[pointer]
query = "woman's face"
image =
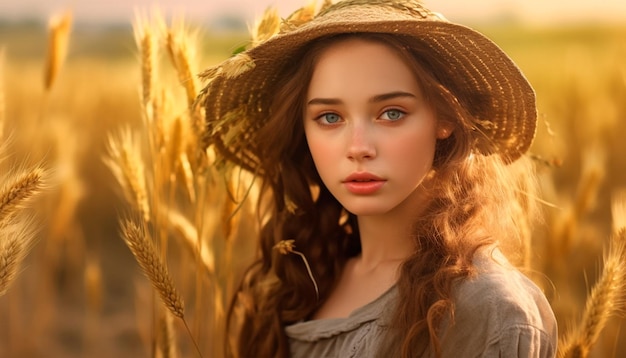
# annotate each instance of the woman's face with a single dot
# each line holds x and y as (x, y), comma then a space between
(369, 129)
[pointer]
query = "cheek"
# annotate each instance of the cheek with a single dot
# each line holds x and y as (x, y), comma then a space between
(321, 151)
(414, 152)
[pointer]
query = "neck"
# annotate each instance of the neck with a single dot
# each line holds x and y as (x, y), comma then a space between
(384, 241)
(387, 238)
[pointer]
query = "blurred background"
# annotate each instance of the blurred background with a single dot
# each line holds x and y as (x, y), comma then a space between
(71, 76)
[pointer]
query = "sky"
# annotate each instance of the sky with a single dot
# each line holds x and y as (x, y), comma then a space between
(529, 11)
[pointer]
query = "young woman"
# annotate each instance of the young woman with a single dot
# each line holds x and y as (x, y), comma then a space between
(389, 145)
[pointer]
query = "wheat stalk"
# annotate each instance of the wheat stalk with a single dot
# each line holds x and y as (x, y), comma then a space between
(166, 336)
(188, 176)
(93, 285)
(285, 247)
(72, 188)
(618, 212)
(189, 234)
(18, 190)
(593, 173)
(566, 227)
(59, 28)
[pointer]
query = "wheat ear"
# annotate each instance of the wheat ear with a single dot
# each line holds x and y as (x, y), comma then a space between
(146, 255)
(266, 27)
(181, 54)
(15, 242)
(151, 265)
(18, 190)
(148, 53)
(605, 299)
(57, 47)
(127, 166)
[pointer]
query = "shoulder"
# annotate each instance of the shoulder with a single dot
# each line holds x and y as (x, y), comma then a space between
(500, 291)
(501, 310)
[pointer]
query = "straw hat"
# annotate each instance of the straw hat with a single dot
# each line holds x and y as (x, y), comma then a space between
(240, 89)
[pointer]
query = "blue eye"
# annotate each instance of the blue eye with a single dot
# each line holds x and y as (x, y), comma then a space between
(330, 117)
(393, 114)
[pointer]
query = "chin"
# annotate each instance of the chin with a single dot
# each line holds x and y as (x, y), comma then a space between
(363, 210)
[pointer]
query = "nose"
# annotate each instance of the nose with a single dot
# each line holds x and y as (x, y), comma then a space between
(361, 143)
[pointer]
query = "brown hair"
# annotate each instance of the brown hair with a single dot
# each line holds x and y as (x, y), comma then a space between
(466, 189)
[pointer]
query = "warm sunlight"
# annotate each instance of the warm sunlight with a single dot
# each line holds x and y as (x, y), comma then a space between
(130, 186)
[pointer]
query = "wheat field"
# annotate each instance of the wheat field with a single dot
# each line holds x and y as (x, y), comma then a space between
(129, 242)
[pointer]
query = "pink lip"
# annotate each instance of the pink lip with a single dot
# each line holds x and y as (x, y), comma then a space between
(363, 183)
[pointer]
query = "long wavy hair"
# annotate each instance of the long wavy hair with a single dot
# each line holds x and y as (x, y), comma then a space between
(474, 201)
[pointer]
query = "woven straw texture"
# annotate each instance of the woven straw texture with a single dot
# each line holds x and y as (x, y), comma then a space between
(239, 90)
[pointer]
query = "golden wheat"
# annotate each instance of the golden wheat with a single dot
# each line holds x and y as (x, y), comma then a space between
(266, 27)
(150, 263)
(181, 55)
(179, 165)
(604, 301)
(571, 99)
(176, 135)
(15, 242)
(147, 48)
(59, 28)
(299, 17)
(125, 161)
(18, 190)
(10, 253)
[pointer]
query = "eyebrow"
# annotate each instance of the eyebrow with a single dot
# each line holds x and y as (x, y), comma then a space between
(375, 99)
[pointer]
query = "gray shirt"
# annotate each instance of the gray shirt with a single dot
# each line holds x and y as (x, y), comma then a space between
(498, 313)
